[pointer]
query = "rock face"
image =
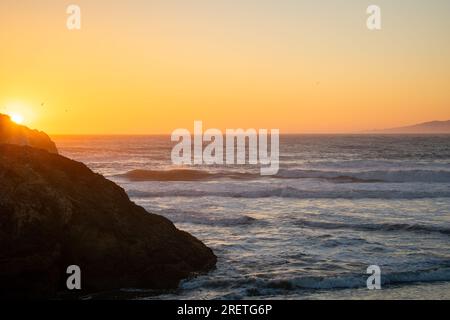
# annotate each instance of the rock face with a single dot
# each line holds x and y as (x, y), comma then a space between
(55, 212)
(16, 134)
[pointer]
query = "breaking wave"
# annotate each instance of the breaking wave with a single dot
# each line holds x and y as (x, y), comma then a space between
(440, 176)
(205, 219)
(431, 176)
(290, 192)
(374, 226)
(183, 175)
(359, 281)
(345, 281)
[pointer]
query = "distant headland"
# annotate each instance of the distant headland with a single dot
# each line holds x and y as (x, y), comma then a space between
(432, 127)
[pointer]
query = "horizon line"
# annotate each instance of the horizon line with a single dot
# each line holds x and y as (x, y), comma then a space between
(281, 134)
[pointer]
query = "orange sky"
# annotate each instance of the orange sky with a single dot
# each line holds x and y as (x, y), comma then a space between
(143, 67)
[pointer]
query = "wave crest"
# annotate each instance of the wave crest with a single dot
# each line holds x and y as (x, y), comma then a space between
(183, 175)
(345, 281)
(294, 193)
(367, 176)
(374, 226)
(440, 176)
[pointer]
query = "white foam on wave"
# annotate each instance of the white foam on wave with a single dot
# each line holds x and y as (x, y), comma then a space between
(290, 192)
(431, 176)
(359, 281)
(345, 281)
(395, 227)
(390, 175)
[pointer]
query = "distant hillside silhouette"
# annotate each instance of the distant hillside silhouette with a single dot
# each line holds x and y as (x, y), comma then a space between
(425, 127)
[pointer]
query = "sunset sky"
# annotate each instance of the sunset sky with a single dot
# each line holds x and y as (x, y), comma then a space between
(143, 67)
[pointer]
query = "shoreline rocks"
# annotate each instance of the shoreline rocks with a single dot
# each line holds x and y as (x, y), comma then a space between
(12, 133)
(56, 212)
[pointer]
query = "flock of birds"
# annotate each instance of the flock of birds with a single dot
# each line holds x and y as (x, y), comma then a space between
(43, 104)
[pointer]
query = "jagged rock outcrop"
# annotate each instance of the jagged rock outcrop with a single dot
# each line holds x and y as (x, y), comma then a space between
(13, 133)
(56, 212)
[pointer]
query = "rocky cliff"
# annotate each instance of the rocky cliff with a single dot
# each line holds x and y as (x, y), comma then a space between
(20, 135)
(56, 212)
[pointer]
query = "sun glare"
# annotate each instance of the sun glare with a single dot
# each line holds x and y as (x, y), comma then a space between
(17, 118)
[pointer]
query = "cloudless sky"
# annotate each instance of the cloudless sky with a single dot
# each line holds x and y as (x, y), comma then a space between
(139, 67)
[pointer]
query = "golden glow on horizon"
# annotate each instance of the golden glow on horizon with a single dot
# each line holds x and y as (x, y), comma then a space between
(151, 67)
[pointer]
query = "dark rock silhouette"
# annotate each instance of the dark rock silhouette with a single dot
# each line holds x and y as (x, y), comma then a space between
(13, 133)
(56, 212)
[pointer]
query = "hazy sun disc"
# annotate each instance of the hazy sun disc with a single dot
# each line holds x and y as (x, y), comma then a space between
(17, 118)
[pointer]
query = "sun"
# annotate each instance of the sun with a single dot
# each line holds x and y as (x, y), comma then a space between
(19, 112)
(17, 118)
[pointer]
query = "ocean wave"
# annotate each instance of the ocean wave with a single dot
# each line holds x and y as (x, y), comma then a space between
(183, 216)
(217, 222)
(359, 281)
(290, 192)
(439, 176)
(419, 228)
(183, 175)
(257, 286)
(363, 176)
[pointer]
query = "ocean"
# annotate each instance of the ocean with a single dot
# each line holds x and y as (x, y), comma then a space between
(339, 204)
